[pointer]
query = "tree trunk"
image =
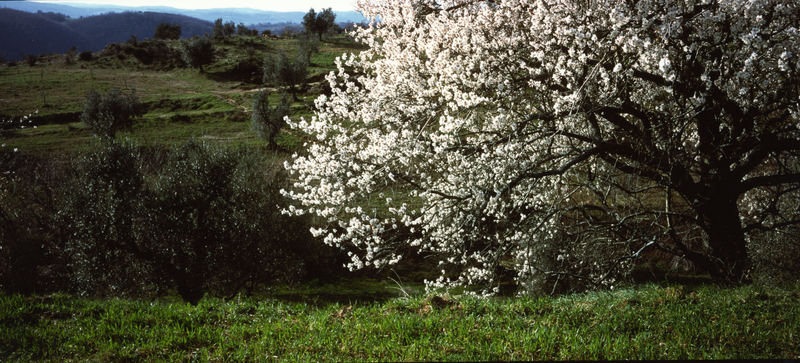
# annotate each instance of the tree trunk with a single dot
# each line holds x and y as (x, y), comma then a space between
(727, 259)
(190, 288)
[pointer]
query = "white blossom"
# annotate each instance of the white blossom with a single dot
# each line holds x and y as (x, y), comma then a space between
(457, 103)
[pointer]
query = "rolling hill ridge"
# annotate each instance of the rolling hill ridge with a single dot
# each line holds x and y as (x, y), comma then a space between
(23, 33)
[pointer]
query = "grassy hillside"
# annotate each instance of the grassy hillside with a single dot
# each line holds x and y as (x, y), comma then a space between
(180, 102)
(649, 322)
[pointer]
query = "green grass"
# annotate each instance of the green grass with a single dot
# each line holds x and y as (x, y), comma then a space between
(180, 103)
(648, 322)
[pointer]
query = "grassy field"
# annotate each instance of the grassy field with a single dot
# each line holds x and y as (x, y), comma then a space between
(181, 103)
(647, 322)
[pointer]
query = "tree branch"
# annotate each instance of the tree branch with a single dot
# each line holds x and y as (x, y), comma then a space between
(768, 180)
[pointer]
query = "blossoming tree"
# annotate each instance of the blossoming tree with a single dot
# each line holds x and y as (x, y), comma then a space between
(558, 137)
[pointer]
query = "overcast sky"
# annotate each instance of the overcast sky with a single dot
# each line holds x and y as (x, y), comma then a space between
(274, 5)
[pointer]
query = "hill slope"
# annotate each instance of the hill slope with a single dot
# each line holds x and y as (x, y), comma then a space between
(118, 27)
(23, 33)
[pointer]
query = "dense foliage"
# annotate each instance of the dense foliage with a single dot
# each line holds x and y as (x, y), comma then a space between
(557, 141)
(130, 221)
(167, 31)
(198, 52)
(114, 111)
(319, 24)
(223, 30)
(282, 71)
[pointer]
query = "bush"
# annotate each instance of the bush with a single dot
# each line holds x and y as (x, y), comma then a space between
(223, 30)
(31, 236)
(775, 256)
(69, 57)
(31, 60)
(85, 56)
(155, 53)
(774, 244)
(107, 114)
(243, 30)
(307, 47)
(199, 219)
(281, 71)
(248, 69)
(102, 210)
(167, 31)
(198, 52)
(213, 216)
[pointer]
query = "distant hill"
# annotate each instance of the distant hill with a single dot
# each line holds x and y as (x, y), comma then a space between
(23, 33)
(236, 15)
(118, 27)
(32, 7)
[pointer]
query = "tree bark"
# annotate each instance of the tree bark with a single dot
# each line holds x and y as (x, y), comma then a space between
(727, 259)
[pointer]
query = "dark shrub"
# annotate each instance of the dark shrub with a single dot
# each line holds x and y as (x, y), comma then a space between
(198, 52)
(307, 46)
(31, 236)
(70, 56)
(774, 243)
(102, 210)
(248, 69)
(215, 219)
(167, 31)
(199, 219)
(280, 70)
(31, 60)
(85, 56)
(157, 53)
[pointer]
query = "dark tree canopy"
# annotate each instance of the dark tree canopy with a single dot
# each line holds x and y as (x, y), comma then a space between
(282, 71)
(167, 31)
(223, 30)
(319, 23)
(198, 52)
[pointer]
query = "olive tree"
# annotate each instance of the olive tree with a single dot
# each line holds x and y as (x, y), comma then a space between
(199, 219)
(167, 31)
(267, 121)
(552, 139)
(319, 23)
(198, 52)
(111, 112)
(282, 71)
